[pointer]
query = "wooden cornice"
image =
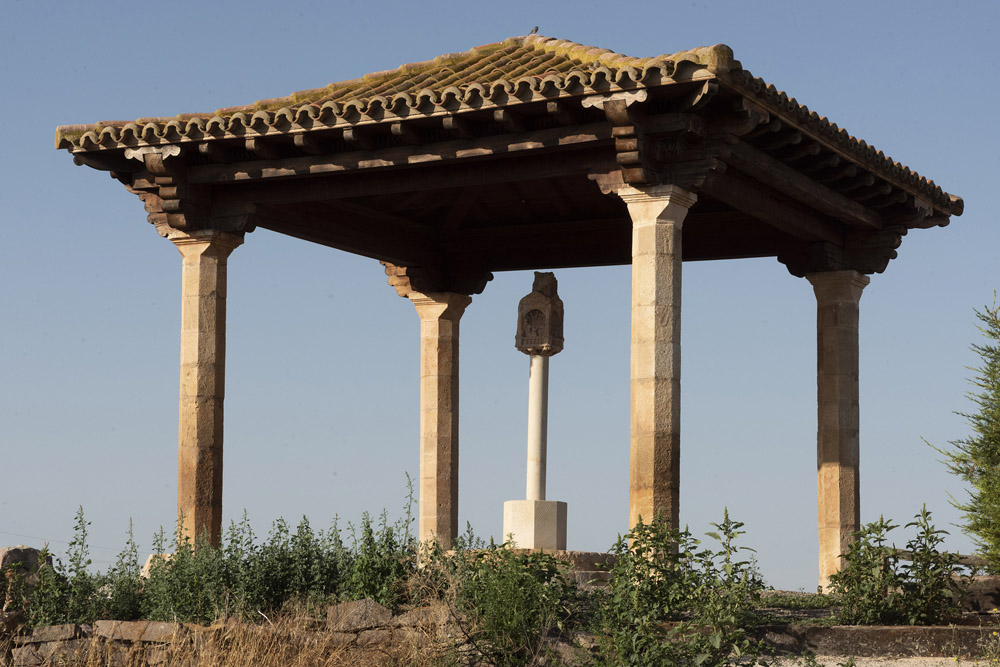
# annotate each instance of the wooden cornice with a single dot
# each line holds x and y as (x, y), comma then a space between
(312, 165)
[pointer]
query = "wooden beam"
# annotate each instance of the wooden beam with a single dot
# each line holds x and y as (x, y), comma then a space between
(459, 209)
(780, 141)
(307, 144)
(574, 136)
(360, 138)
(458, 126)
(510, 120)
(351, 231)
(673, 123)
(783, 178)
(399, 224)
(599, 242)
(212, 150)
(262, 148)
(800, 151)
(770, 207)
(561, 111)
(407, 133)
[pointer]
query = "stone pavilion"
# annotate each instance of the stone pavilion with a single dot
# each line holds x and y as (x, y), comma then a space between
(531, 153)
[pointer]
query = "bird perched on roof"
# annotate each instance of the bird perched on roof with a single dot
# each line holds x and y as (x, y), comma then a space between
(534, 30)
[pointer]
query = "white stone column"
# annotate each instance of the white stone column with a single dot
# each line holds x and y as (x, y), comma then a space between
(538, 417)
(203, 379)
(838, 444)
(657, 214)
(439, 314)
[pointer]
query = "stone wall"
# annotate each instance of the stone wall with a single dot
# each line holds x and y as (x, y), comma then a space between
(349, 628)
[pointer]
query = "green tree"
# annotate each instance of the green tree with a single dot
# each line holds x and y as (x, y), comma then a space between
(976, 458)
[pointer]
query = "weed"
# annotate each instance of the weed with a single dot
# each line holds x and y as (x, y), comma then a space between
(869, 585)
(671, 602)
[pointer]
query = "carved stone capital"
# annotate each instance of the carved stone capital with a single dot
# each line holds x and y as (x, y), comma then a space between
(669, 193)
(435, 306)
(208, 242)
(833, 286)
(658, 202)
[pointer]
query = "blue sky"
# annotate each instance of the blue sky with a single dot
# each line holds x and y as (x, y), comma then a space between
(321, 406)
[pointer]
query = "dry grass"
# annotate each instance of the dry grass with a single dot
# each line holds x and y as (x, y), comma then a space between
(291, 641)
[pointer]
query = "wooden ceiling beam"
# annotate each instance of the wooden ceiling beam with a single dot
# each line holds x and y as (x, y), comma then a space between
(458, 126)
(562, 112)
(509, 120)
(441, 177)
(407, 133)
(307, 144)
(770, 207)
(353, 230)
(262, 148)
(360, 138)
(212, 150)
(783, 178)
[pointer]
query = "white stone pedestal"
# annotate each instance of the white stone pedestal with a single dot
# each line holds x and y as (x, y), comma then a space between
(535, 524)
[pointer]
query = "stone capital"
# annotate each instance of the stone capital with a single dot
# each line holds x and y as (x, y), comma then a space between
(657, 203)
(204, 241)
(440, 305)
(832, 286)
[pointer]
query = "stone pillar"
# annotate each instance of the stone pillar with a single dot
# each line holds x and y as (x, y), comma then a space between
(439, 314)
(538, 417)
(837, 297)
(203, 377)
(654, 457)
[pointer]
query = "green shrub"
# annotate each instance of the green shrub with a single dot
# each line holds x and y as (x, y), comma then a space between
(868, 585)
(122, 585)
(188, 585)
(873, 588)
(511, 600)
(47, 602)
(671, 602)
(505, 601)
(382, 562)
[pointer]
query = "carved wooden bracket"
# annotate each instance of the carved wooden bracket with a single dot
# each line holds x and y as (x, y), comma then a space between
(864, 252)
(425, 279)
(173, 203)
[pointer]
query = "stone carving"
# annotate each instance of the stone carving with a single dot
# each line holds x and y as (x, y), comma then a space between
(540, 318)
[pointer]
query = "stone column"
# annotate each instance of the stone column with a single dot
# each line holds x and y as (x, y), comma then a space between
(439, 314)
(538, 417)
(657, 215)
(203, 377)
(837, 297)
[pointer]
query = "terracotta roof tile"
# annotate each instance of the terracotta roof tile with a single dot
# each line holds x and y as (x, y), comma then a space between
(520, 69)
(512, 71)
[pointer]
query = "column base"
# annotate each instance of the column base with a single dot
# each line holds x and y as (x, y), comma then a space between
(535, 524)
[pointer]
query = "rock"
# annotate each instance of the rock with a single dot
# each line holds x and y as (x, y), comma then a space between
(49, 633)
(430, 616)
(26, 656)
(21, 555)
(358, 615)
(21, 560)
(147, 567)
(378, 637)
(983, 595)
(161, 631)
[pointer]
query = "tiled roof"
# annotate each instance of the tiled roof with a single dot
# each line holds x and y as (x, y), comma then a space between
(518, 70)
